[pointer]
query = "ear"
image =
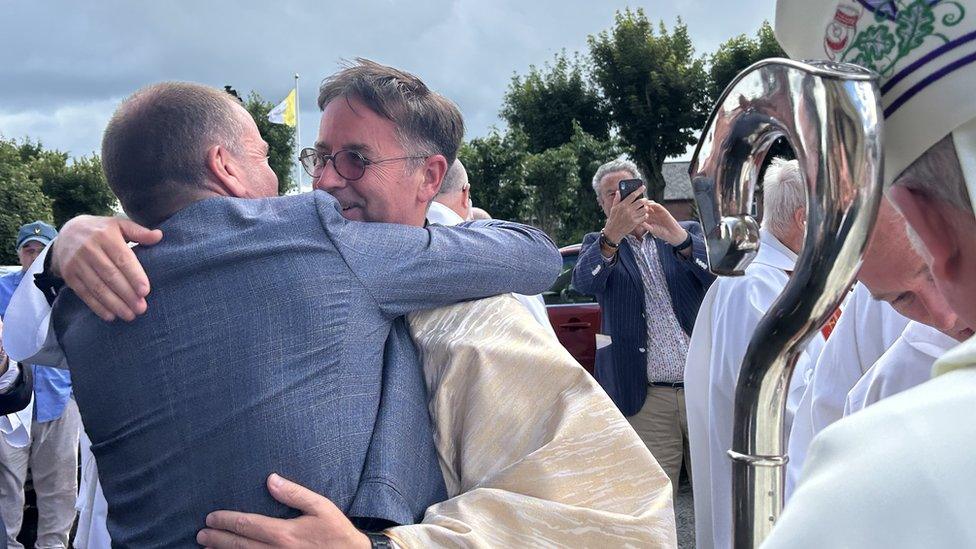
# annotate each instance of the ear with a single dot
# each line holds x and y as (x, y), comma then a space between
(466, 201)
(931, 221)
(226, 172)
(433, 172)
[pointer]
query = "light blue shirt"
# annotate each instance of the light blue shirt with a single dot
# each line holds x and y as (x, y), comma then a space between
(52, 386)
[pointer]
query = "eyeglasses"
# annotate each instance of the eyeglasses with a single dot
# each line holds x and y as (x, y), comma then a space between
(350, 165)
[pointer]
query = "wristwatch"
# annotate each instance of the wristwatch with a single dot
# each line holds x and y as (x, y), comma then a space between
(379, 540)
(685, 244)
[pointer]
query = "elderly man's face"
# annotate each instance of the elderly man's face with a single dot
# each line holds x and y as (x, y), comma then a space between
(609, 185)
(897, 274)
(397, 191)
(28, 253)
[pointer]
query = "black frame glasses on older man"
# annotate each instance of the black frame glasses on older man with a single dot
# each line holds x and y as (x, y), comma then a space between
(350, 165)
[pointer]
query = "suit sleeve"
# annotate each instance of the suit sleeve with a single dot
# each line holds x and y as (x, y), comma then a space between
(592, 271)
(519, 474)
(697, 263)
(408, 268)
(18, 396)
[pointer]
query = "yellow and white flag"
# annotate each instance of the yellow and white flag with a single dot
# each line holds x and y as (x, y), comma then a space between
(284, 112)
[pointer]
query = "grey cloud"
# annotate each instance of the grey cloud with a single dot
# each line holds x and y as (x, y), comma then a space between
(62, 58)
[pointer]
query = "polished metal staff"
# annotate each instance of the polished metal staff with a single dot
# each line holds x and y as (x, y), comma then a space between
(831, 116)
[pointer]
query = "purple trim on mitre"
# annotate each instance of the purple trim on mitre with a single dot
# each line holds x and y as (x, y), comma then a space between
(927, 58)
(929, 80)
(887, 8)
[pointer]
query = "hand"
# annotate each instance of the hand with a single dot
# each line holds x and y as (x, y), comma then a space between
(321, 525)
(625, 215)
(663, 225)
(92, 257)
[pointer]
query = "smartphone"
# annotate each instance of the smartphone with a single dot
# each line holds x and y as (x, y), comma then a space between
(628, 186)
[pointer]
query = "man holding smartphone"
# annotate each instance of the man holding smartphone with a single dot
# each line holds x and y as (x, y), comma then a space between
(649, 274)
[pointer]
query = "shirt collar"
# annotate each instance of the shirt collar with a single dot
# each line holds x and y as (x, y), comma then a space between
(774, 253)
(960, 356)
(442, 215)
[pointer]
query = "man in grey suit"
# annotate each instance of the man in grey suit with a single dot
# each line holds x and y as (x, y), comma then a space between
(273, 339)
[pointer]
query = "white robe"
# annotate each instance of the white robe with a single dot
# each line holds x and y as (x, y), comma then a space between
(726, 321)
(863, 333)
(92, 508)
(906, 364)
(899, 474)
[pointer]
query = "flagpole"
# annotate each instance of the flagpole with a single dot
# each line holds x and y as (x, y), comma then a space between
(298, 137)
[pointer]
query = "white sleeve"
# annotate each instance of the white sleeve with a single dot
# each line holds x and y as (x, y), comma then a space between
(15, 428)
(9, 377)
(27, 335)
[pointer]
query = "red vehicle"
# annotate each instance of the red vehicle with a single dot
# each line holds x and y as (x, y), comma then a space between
(574, 316)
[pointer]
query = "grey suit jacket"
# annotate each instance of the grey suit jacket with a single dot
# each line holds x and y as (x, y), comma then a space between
(267, 347)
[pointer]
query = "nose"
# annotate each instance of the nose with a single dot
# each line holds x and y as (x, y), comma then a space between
(941, 315)
(329, 179)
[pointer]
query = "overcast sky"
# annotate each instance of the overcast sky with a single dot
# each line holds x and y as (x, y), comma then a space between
(65, 65)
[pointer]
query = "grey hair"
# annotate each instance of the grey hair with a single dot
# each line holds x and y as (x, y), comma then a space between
(455, 179)
(783, 194)
(618, 165)
(938, 173)
(426, 122)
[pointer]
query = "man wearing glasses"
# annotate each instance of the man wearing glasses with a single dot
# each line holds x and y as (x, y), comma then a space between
(515, 419)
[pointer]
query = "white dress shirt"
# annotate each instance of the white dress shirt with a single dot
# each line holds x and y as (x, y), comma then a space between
(729, 314)
(906, 364)
(865, 330)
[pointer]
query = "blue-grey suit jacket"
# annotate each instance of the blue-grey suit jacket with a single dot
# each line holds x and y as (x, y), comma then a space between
(621, 368)
(274, 342)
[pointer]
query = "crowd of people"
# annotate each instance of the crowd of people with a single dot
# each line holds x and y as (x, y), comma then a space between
(371, 364)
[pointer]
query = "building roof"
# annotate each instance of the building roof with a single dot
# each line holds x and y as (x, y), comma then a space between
(677, 182)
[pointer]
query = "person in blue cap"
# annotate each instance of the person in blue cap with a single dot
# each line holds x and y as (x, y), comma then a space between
(52, 450)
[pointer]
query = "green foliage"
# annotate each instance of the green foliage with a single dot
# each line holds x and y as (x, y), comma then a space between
(494, 166)
(545, 103)
(21, 198)
(281, 142)
(656, 89)
(79, 189)
(737, 53)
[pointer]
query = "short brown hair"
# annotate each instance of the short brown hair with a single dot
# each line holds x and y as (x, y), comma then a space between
(154, 147)
(425, 121)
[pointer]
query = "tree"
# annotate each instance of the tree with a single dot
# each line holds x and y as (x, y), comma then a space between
(494, 166)
(281, 141)
(78, 189)
(21, 199)
(656, 88)
(545, 103)
(737, 53)
(551, 178)
(585, 214)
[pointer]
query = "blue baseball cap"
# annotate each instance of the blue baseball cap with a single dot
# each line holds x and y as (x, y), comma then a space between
(37, 231)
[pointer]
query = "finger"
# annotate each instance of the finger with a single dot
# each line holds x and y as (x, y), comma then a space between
(128, 268)
(298, 497)
(94, 289)
(134, 232)
(247, 525)
(219, 539)
(81, 289)
(615, 200)
(110, 272)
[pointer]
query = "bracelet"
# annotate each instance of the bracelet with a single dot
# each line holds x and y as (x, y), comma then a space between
(685, 244)
(605, 240)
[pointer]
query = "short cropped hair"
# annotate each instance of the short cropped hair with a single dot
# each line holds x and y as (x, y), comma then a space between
(618, 165)
(455, 179)
(939, 174)
(154, 147)
(426, 122)
(783, 194)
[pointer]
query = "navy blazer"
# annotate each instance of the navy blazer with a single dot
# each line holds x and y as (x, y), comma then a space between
(621, 368)
(19, 394)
